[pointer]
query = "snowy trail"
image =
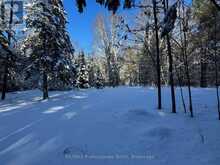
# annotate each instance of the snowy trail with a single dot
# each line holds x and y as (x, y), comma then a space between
(120, 122)
(19, 130)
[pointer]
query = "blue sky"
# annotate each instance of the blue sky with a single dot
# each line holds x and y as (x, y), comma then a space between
(81, 25)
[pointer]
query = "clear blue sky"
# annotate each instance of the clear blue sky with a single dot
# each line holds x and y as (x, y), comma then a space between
(81, 25)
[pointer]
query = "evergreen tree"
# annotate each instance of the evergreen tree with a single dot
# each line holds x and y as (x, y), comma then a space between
(64, 70)
(99, 80)
(51, 50)
(82, 73)
(7, 56)
(91, 72)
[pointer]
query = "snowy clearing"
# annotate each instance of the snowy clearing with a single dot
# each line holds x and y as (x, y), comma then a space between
(119, 126)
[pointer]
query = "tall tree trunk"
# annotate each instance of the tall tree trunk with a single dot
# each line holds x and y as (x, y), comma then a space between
(44, 65)
(216, 68)
(45, 85)
(109, 67)
(169, 51)
(189, 86)
(217, 85)
(6, 71)
(180, 81)
(158, 54)
(5, 77)
(185, 59)
(188, 82)
(171, 80)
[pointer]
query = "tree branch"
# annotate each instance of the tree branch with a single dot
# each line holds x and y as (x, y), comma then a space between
(215, 4)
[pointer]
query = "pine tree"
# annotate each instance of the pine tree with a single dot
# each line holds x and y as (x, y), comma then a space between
(51, 48)
(7, 56)
(92, 72)
(82, 75)
(99, 81)
(64, 70)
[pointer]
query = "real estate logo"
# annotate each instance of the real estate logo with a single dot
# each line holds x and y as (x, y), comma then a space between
(10, 10)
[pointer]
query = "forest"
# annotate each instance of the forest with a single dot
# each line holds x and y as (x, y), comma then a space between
(169, 46)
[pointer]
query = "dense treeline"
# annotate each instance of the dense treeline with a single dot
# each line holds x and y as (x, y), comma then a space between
(173, 43)
(137, 57)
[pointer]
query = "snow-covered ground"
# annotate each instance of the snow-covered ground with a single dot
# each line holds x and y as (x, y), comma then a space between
(119, 126)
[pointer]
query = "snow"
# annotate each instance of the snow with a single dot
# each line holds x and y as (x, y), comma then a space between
(113, 126)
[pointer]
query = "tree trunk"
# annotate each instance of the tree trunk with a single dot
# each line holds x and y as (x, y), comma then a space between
(186, 64)
(217, 87)
(45, 86)
(5, 77)
(109, 67)
(158, 54)
(180, 80)
(169, 51)
(189, 87)
(171, 80)
(216, 69)
(187, 75)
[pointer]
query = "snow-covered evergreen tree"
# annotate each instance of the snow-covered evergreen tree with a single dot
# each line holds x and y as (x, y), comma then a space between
(99, 80)
(82, 73)
(91, 70)
(8, 55)
(51, 51)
